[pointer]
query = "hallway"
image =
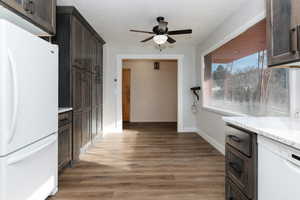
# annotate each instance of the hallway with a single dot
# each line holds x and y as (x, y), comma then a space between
(146, 162)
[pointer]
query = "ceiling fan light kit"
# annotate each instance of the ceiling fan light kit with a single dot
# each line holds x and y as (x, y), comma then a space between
(160, 39)
(161, 34)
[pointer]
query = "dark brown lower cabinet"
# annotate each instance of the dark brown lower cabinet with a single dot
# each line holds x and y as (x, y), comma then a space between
(86, 128)
(233, 192)
(241, 164)
(64, 140)
(99, 120)
(77, 134)
(94, 122)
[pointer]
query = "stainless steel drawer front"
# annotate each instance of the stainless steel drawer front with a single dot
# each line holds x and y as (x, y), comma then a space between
(240, 140)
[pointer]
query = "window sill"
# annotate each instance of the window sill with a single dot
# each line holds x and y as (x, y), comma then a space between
(222, 112)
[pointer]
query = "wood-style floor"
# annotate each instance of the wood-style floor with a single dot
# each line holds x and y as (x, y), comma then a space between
(147, 162)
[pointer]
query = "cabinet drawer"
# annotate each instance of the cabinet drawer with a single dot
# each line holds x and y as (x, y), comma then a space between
(239, 169)
(239, 139)
(233, 192)
(64, 118)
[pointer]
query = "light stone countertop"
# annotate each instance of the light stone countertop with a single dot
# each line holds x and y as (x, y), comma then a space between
(63, 110)
(282, 129)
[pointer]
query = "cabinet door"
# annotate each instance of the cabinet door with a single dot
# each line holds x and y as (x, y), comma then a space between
(283, 20)
(18, 5)
(64, 146)
(232, 191)
(77, 43)
(77, 134)
(42, 13)
(99, 120)
(93, 49)
(94, 90)
(240, 169)
(86, 128)
(77, 89)
(99, 87)
(87, 52)
(94, 122)
(86, 90)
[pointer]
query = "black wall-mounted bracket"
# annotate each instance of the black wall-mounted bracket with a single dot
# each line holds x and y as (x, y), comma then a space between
(195, 89)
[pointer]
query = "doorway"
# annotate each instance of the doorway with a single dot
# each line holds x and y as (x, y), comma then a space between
(149, 91)
(118, 80)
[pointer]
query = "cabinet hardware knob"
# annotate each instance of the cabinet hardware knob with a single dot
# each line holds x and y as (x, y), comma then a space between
(292, 40)
(235, 138)
(26, 6)
(32, 7)
(236, 167)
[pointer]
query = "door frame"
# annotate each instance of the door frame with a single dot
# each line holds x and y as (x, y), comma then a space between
(179, 58)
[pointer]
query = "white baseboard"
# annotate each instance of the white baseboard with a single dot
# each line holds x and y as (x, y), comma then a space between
(212, 141)
(187, 130)
(112, 130)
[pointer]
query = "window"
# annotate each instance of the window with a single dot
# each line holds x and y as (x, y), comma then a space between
(236, 77)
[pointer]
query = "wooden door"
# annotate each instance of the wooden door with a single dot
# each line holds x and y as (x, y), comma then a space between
(126, 94)
(283, 31)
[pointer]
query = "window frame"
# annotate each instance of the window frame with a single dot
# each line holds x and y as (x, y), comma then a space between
(228, 38)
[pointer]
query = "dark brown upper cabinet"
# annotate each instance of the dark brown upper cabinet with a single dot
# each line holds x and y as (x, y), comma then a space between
(283, 32)
(39, 12)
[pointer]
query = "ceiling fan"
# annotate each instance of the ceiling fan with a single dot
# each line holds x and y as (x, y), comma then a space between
(161, 33)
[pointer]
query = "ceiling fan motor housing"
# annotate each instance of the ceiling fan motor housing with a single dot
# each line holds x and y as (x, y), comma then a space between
(160, 19)
(160, 31)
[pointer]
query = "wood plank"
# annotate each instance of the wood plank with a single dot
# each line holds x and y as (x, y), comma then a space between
(146, 163)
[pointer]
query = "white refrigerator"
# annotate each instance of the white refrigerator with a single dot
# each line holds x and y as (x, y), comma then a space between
(28, 115)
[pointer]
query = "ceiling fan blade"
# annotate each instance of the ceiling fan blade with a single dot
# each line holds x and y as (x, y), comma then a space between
(138, 31)
(146, 40)
(171, 40)
(180, 32)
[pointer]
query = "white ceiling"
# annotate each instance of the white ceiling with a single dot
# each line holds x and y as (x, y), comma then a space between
(113, 18)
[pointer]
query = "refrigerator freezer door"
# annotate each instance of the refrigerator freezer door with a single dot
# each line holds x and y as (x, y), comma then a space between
(28, 88)
(31, 173)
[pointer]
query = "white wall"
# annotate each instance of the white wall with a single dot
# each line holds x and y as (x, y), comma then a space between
(112, 119)
(153, 93)
(210, 124)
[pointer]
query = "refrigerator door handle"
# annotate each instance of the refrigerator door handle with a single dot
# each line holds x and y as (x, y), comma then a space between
(21, 158)
(12, 65)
